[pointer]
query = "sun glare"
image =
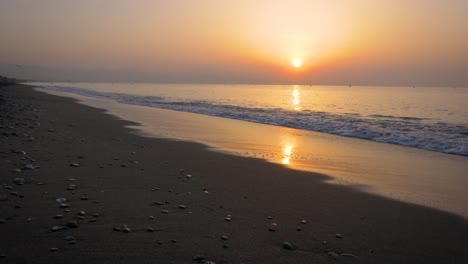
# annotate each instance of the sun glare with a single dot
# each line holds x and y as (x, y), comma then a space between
(296, 63)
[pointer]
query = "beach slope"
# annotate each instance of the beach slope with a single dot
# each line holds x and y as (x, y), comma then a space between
(132, 199)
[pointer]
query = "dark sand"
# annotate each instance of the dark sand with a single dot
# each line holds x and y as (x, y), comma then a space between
(122, 174)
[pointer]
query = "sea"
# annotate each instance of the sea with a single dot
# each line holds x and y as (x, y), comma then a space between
(429, 118)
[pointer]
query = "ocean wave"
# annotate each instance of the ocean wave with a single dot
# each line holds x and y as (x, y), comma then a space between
(407, 131)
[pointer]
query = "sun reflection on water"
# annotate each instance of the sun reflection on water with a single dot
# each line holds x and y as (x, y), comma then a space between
(287, 153)
(296, 98)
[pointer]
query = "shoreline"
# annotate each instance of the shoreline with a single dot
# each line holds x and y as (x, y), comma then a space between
(121, 175)
(400, 173)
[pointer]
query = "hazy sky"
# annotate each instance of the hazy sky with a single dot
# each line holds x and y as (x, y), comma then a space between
(397, 42)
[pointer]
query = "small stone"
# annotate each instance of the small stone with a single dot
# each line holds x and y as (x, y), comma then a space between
(96, 215)
(333, 255)
(72, 224)
(19, 181)
(64, 205)
(61, 200)
(173, 241)
(29, 167)
(223, 237)
(56, 228)
(54, 249)
(2, 221)
(126, 229)
(92, 220)
(149, 229)
(117, 229)
(165, 211)
(59, 216)
(74, 165)
(288, 246)
(299, 229)
(339, 236)
(273, 227)
(270, 217)
(225, 246)
(3, 198)
(304, 222)
(2, 255)
(188, 176)
(151, 217)
(181, 206)
(69, 238)
(14, 193)
(199, 258)
(71, 187)
(83, 198)
(82, 213)
(72, 242)
(158, 203)
(80, 217)
(349, 255)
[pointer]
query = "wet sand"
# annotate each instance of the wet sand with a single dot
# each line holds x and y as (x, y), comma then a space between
(200, 205)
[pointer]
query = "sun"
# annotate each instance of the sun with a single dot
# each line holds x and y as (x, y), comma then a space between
(296, 63)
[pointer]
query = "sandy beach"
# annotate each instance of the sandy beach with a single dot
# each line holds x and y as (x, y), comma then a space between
(133, 199)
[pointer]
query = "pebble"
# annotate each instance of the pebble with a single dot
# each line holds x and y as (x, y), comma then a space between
(333, 255)
(82, 213)
(158, 203)
(19, 181)
(59, 216)
(69, 238)
(61, 200)
(71, 187)
(72, 224)
(199, 258)
(54, 249)
(181, 206)
(64, 205)
(223, 237)
(151, 217)
(126, 229)
(74, 165)
(117, 229)
(56, 228)
(150, 229)
(2, 255)
(348, 255)
(165, 211)
(288, 246)
(273, 227)
(270, 217)
(304, 222)
(29, 167)
(339, 236)
(3, 198)
(2, 221)
(83, 198)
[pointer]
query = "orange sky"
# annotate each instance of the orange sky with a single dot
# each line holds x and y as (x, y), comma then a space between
(243, 41)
